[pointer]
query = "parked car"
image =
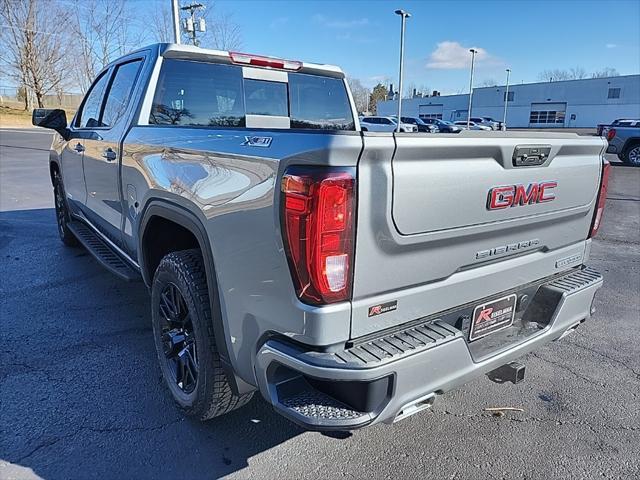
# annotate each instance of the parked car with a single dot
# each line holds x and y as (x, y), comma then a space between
(350, 279)
(487, 122)
(444, 126)
(384, 124)
(472, 125)
(624, 140)
(603, 129)
(419, 124)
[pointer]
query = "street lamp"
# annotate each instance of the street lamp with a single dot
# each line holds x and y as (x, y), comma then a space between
(473, 57)
(506, 101)
(404, 15)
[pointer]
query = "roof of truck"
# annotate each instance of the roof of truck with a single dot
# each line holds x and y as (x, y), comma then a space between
(173, 50)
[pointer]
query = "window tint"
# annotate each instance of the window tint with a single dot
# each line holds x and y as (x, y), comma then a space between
(205, 94)
(120, 92)
(199, 94)
(614, 93)
(90, 114)
(319, 102)
(266, 98)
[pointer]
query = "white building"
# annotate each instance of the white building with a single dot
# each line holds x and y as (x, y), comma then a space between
(571, 103)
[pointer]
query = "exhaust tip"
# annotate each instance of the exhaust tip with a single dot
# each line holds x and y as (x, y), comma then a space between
(415, 406)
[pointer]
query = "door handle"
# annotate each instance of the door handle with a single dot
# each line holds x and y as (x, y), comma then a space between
(79, 148)
(109, 154)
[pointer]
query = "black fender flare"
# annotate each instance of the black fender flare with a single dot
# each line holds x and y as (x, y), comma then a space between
(175, 213)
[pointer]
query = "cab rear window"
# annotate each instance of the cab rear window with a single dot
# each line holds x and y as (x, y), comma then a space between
(205, 94)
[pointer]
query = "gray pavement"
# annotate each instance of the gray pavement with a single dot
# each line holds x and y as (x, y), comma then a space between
(81, 394)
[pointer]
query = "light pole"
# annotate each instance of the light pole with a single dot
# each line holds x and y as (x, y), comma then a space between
(404, 15)
(473, 57)
(176, 21)
(506, 101)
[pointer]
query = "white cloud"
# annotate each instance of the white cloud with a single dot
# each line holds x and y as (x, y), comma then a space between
(340, 23)
(611, 45)
(451, 55)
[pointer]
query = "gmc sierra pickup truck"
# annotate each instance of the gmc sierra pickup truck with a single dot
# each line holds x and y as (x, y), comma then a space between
(350, 277)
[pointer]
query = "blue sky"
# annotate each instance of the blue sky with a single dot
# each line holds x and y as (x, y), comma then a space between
(527, 36)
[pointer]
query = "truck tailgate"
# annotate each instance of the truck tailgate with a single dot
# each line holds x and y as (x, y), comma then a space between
(429, 237)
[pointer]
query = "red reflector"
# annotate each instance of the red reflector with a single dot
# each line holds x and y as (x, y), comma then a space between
(611, 133)
(267, 62)
(602, 197)
(317, 227)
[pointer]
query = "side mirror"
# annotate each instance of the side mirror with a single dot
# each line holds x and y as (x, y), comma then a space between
(55, 119)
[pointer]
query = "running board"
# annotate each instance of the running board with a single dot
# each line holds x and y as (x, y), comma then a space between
(103, 252)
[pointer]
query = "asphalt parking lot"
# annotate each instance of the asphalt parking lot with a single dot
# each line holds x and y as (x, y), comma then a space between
(81, 393)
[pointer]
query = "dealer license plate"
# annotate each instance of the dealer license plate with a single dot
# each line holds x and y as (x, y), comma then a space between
(492, 316)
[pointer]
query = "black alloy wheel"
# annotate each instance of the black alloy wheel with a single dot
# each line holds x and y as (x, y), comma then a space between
(178, 339)
(62, 212)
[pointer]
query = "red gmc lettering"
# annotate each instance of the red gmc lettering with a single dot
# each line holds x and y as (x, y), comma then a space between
(501, 197)
(527, 196)
(546, 196)
(518, 195)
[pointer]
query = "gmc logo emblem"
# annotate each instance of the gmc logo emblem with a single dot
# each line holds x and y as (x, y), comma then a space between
(518, 195)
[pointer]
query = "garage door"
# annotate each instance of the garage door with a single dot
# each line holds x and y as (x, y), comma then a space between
(430, 111)
(547, 115)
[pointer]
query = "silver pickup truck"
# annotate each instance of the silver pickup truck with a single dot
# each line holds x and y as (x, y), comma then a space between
(350, 277)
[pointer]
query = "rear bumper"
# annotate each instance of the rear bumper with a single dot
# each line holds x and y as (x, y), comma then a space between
(364, 385)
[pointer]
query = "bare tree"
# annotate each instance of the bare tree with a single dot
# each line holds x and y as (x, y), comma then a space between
(577, 73)
(102, 32)
(224, 33)
(553, 75)
(425, 89)
(605, 72)
(489, 82)
(162, 23)
(35, 50)
(360, 94)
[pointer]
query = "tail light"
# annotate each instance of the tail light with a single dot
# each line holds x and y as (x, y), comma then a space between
(318, 231)
(602, 197)
(260, 61)
(610, 134)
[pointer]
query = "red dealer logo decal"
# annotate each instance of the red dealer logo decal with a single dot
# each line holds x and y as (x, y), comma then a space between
(519, 195)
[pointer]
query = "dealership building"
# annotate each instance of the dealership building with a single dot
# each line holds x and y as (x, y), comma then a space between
(565, 104)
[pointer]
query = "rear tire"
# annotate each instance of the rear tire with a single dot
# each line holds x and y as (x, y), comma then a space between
(62, 212)
(631, 154)
(184, 339)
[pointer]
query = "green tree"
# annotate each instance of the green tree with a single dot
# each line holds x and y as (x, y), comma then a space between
(378, 94)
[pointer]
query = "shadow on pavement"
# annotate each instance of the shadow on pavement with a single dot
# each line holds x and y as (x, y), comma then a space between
(82, 395)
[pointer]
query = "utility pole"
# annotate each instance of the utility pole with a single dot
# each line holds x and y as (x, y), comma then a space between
(473, 57)
(404, 16)
(175, 15)
(193, 24)
(506, 101)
